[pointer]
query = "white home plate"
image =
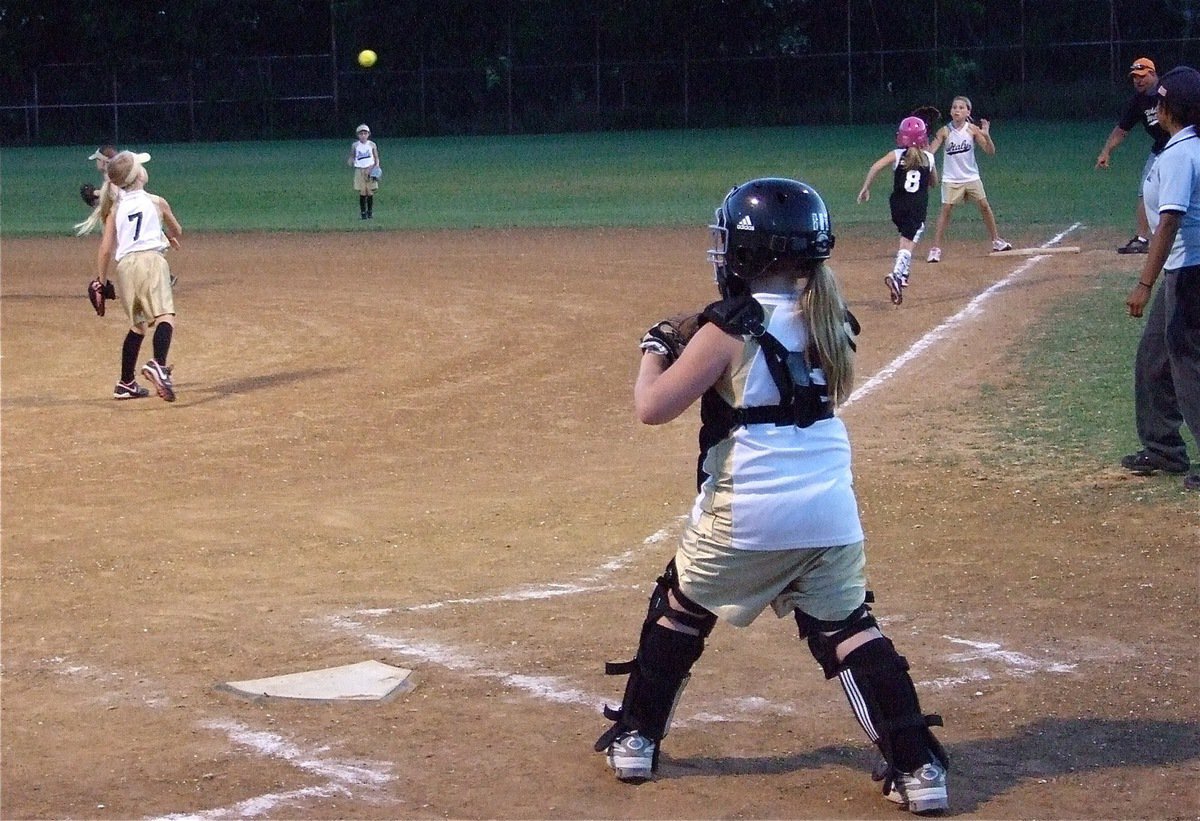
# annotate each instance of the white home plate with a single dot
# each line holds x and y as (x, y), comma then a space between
(365, 681)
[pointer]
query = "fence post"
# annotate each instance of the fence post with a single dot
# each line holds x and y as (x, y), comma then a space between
(37, 123)
(508, 72)
(596, 57)
(191, 85)
(116, 110)
(686, 95)
(849, 70)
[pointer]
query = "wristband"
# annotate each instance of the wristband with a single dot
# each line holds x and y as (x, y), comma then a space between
(1144, 285)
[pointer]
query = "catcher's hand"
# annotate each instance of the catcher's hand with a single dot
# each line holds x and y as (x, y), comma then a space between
(668, 337)
(88, 193)
(98, 292)
(929, 114)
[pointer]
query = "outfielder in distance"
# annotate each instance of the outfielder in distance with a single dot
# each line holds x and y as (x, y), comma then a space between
(775, 521)
(364, 159)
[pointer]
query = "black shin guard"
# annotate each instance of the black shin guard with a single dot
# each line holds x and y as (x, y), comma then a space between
(129, 355)
(884, 700)
(656, 679)
(662, 667)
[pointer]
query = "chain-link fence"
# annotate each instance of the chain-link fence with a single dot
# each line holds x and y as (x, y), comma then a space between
(319, 96)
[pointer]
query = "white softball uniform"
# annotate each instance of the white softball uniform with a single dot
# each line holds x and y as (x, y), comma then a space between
(138, 224)
(776, 487)
(959, 163)
(364, 154)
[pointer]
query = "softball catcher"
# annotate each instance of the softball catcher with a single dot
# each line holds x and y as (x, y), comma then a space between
(775, 521)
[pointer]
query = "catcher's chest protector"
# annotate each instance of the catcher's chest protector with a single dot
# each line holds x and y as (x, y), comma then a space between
(802, 401)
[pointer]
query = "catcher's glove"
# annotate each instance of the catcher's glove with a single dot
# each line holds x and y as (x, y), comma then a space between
(668, 337)
(98, 291)
(89, 194)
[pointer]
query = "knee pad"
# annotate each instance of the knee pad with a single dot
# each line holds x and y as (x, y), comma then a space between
(882, 696)
(824, 647)
(666, 586)
(662, 667)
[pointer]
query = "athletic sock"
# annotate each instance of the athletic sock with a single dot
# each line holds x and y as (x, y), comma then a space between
(129, 355)
(162, 342)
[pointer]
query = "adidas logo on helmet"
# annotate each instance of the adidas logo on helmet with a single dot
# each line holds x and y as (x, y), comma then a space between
(744, 224)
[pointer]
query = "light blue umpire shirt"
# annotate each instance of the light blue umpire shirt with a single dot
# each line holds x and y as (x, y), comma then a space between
(1173, 184)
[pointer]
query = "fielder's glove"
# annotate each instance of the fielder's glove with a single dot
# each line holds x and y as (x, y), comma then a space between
(98, 292)
(89, 194)
(668, 337)
(930, 115)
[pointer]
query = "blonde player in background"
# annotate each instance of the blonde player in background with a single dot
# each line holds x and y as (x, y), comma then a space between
(138, 228)
(960, 172)
(89, 192)
(364, 158)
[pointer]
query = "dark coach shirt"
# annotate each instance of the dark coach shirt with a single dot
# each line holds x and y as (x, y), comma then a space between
(1141, 109)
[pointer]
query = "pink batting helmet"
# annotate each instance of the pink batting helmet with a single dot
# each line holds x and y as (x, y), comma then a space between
(912, 133)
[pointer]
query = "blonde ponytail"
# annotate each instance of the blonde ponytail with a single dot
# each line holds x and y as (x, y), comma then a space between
(108, 197)
(122, 171)
(824, 313)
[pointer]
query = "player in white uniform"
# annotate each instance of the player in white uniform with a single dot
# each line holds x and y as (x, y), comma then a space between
(960, 172)
(137, 230)
(364, 158)
(775, 522)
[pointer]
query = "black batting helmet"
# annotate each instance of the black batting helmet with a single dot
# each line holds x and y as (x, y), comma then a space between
(765, 220)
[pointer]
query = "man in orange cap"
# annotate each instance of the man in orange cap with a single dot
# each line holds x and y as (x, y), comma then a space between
(1141, 108)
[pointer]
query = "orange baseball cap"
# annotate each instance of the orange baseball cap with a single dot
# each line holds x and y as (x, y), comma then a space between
(1142, 66)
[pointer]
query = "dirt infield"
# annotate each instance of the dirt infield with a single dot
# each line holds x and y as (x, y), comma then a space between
(420, 448)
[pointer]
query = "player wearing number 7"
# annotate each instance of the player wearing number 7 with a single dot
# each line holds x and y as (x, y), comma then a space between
(914, 172)
(137, 231)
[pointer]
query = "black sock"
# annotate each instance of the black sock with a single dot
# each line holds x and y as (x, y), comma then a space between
(162, 342)
(129, 355)
(362, 203)
(370, 204)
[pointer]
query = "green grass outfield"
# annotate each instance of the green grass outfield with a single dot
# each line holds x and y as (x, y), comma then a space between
(1074, 405)
(1042, 175)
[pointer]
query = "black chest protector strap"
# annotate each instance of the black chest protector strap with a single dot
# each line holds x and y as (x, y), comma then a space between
(802, 401)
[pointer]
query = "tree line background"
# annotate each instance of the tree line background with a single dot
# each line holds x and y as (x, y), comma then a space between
(199, 70)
